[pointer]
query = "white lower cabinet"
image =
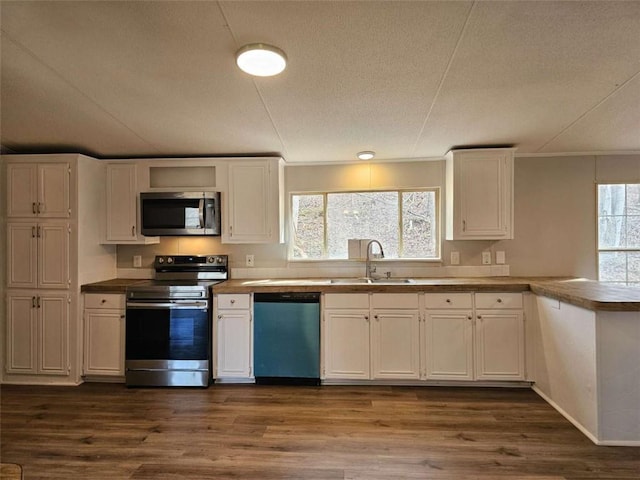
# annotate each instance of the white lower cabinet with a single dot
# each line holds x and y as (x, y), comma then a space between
(474, 336)
(104, 334)
(233, 336)
(37, 333)
(500, 345)
(375, 338)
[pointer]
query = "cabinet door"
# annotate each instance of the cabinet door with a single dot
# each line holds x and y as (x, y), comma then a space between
(346, 344)
(395, 344)
(121, 203)
(480, 205)
(499, 345)
(53, 190)
(22, 254)
(254, 205)
(53, 255)
(21, 333)
(104, 342)
(22, 189)
(53, 328)
(234, 344)
(449, 344)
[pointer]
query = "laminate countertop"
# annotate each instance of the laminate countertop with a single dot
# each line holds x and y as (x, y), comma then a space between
(587, 294)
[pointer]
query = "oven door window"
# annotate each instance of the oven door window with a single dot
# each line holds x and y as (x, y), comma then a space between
(167, 334)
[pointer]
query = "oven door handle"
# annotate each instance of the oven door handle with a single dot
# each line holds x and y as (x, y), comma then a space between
(168, 305)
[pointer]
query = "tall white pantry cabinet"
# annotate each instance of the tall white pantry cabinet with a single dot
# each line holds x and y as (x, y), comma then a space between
(54, 214)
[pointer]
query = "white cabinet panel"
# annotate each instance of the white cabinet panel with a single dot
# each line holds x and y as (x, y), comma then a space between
(38, 255)
(479, 189)
(122, 218)
(234, 343)
(104, 341)
(21, 333)
(37, 333)
(499, 345)
(395, 343)
(255, 202)
(449, 344)
(38, 190)
(346, 344)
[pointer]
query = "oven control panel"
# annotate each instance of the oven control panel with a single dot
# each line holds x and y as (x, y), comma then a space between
(191, 261)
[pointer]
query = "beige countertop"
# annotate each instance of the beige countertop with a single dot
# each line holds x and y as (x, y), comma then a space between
(583, 293)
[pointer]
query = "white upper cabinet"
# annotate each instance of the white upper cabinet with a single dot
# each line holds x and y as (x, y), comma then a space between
(38, 255)
(255, 202)
(122, 225)
(479, 194)
(38, 190)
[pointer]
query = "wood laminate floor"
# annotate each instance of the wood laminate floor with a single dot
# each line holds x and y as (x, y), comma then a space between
(103, 431)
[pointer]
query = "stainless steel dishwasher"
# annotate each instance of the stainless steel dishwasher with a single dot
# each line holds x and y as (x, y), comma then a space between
(286, 336)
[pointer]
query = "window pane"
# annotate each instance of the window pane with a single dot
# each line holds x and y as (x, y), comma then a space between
(633, 199)
(633, 231)
(419, 224)
(372, 215)
(633, 267)
(611, 200)
(611, 232)
(307, 216)
(613, 267)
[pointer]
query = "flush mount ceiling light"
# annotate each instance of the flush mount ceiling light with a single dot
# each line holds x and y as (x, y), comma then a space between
(261, 60)
(366, 155)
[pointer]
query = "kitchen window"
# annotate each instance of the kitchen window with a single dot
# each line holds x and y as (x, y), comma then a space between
(619, 233)
(406, 222)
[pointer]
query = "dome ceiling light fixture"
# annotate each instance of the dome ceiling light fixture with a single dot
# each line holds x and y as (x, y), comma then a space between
(366, 155)
(261, 60)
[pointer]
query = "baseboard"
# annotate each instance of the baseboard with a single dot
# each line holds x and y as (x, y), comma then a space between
(562, 412)
(429, 383)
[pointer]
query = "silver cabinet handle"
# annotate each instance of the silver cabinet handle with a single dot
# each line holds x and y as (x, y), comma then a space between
(220, 317)
(39, 234)
(232, 301)
(33, 302)
(464, 225)
(33, 208)
(40, 207)
(133, 230)
(33, 232)
(448, 300)
(499, 300)
(38, 302)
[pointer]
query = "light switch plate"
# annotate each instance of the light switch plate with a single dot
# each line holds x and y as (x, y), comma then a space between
(455, 258)
(486, 258)
(500, 258)
(137, 261)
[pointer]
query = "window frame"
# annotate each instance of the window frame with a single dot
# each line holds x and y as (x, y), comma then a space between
(612, 249)
(438, 224)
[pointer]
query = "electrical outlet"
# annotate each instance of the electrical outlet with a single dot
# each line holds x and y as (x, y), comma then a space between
(486, 258)
(455, 258)
(137, 261)
(249, 261)
(500, 258)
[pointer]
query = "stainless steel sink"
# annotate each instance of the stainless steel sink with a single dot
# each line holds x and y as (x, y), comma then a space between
(362, 280)
(393, 280)
(347, 281)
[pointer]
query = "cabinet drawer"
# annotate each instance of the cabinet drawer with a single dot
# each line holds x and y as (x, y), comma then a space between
(346, 300)
(499, 300)
(106, 300)
(240, 300)
(395, 300)
(448, 300)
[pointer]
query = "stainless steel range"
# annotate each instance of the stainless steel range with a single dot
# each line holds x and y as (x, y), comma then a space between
(168, 323)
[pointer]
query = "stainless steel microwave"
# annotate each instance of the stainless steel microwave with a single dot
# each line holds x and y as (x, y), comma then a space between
(180, 213)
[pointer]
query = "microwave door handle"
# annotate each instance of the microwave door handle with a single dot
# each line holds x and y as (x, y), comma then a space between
(201, 207)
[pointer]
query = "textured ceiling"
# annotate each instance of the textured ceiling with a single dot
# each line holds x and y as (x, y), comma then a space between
(406, 79)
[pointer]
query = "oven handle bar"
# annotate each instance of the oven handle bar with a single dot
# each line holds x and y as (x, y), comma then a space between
(171, 305)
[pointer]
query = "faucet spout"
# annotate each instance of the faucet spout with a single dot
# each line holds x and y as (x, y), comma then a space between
(368, 268)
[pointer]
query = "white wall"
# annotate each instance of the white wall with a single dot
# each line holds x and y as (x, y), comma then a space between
(555, 212)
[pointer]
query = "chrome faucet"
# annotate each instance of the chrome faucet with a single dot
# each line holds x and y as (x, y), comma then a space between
(368, 269)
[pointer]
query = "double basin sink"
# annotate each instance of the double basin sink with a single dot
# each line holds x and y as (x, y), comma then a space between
(364, 280)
